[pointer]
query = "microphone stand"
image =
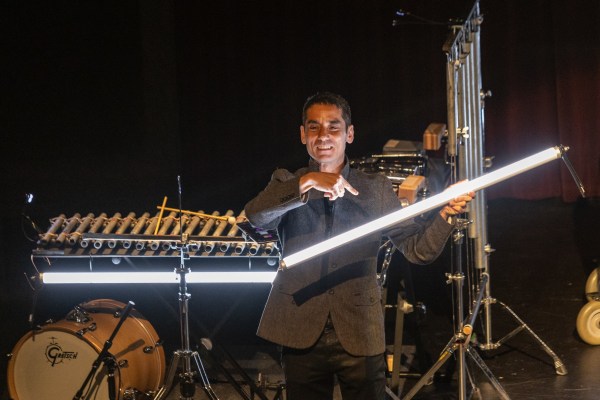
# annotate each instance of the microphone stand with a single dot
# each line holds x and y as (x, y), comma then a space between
(108, 360)
(185, 354)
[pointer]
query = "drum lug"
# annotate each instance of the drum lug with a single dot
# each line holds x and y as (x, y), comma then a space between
(130, 394)
(123, 363)
(150, 349)
(90, 328)
(78, 315)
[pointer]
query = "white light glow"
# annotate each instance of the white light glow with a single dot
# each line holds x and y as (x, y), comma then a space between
(425, 205)
(157, 277)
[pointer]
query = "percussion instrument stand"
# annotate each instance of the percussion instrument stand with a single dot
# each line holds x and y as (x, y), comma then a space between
(460, 342)
(559, 366)
(185, 354)
(105, 357)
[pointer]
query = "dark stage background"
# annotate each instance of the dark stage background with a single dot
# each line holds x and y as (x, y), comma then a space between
(105, 103)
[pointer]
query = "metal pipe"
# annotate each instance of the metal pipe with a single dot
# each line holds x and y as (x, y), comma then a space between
(112, 222)
(68, 228)
(209, 224)
(56, 223)
(152, 223)
(195, 246)
(98, 223)
(224, 247)
(223, 223)
(254, 248)
(75, 236)
(209, 245)
(182, 221)
(125, 223)
(166, 224)
(194, 222)
(137, 228)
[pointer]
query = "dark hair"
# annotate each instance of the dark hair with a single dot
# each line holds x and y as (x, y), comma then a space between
(332, 99)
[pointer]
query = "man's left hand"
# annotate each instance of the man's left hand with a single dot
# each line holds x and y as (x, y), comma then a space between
(457, 206)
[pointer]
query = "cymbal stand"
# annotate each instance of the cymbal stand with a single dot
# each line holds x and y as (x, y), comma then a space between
(460, 343)
(185, 354)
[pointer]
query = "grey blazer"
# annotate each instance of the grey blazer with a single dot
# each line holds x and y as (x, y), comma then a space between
(342, 283)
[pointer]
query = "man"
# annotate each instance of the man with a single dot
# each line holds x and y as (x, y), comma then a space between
(326, 312)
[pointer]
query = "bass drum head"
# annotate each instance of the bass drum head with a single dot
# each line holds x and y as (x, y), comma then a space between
(53, 363)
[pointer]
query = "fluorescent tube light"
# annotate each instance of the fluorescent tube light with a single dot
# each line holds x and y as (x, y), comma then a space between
(425, 205)
(157, 277)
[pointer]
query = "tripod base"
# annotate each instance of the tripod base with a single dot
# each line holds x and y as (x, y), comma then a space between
(187, 377)
(464, 348)
(558, 364)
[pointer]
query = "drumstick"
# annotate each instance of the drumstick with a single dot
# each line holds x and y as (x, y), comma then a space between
(162, 209)
(229, 219)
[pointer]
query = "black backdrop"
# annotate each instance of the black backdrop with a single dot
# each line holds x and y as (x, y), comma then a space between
(112, 100)
(105, 103)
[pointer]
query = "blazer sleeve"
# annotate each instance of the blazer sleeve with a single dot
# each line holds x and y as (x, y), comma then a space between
(421, 239)
(281, 195)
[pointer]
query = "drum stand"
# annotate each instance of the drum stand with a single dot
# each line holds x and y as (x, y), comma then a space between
(460, 342)
(185, 354)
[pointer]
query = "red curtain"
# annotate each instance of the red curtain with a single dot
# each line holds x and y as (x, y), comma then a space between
(541, 59)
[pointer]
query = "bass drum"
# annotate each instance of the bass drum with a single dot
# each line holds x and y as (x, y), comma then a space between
(52, 363)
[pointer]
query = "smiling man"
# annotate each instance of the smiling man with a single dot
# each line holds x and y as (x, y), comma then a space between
(326, 313)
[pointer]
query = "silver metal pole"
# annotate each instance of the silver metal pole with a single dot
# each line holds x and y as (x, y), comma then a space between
(466, 113)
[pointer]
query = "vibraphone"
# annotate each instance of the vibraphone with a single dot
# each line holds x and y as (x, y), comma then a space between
(89, 242)
(130, 249)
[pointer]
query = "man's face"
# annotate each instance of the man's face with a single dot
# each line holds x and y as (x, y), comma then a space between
(325, 135)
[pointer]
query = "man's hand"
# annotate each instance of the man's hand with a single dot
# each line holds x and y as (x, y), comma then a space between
(457, 206)
(332, 185)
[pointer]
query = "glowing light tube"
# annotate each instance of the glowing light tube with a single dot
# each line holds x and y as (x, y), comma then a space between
(425, 205)
(157, 277)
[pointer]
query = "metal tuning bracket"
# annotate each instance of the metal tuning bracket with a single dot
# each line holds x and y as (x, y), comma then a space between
(563, 155)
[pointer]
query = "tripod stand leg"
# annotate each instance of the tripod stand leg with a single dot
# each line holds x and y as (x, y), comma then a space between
(391, 394)
(204, 377)
(187, 378)
(225, 357)
(475, 357)
(558, 364)
(428, 376)
(462, 368)
(164, 390)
